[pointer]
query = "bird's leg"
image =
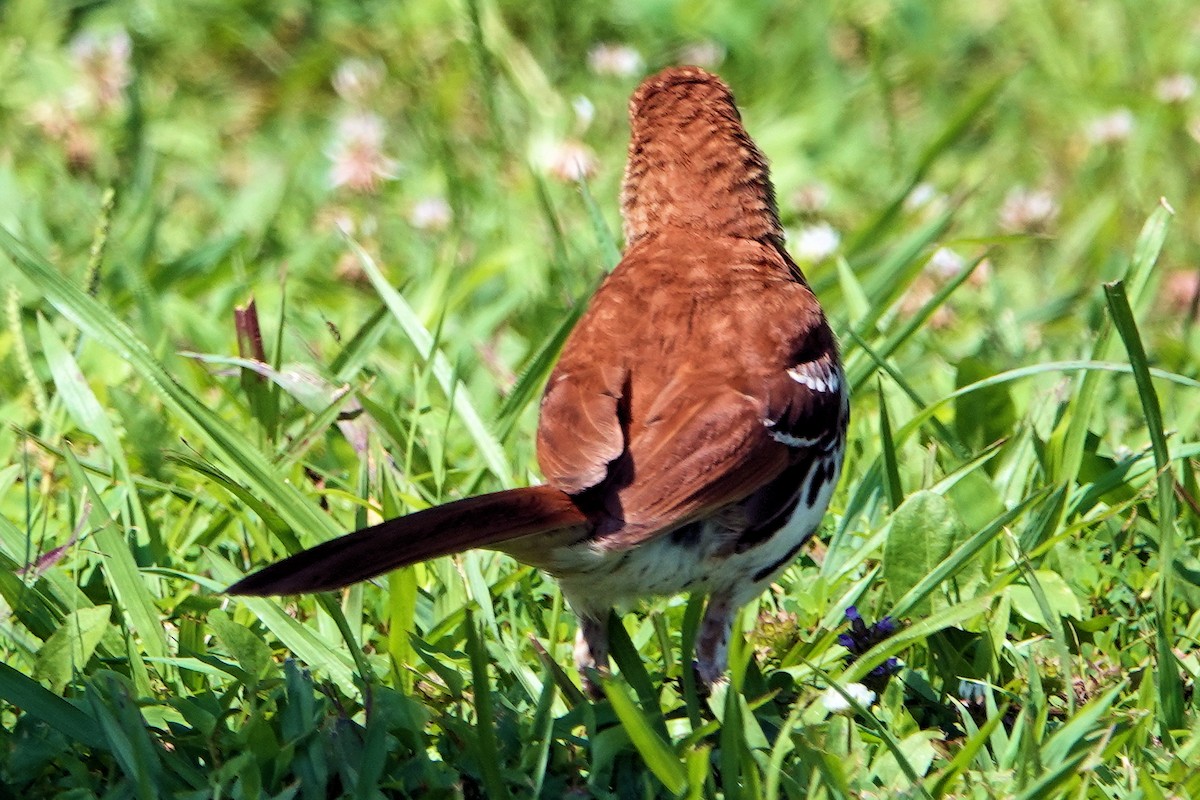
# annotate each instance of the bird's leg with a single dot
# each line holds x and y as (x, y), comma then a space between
(591, 650)
(712, 642)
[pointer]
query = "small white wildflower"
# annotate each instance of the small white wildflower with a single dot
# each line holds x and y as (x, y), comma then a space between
(707, 54)
(1177, 88)
(358, 162)
(1112, 128)
(617, 60)
(816, 242)
(585, 112)
(430, 214)
(104, 62)
(946, 263)
(835, 703)
(1028, 211)
(355, 80)
(1123, 452)
(570, 161)
(811, 198)
(921, 195)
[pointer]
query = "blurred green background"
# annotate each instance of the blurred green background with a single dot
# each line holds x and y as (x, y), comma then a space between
(419, 196)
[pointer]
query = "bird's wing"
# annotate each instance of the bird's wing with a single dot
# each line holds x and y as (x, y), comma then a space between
(707, 444)
(662, 420)
(589, 408)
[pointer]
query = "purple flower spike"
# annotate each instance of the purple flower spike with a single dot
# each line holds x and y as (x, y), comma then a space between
(862, 637)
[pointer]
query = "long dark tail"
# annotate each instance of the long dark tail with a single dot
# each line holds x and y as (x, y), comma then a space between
(464, 524)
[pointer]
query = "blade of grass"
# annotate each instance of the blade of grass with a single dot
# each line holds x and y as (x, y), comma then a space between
(941, 432)
(609, 251)
(887, 449)
(354, 353)
(298, 637)
(401, 617)
(963, 758)
(633, 669)
(858, 375)
(1066, 447)
(124, 579)
(536, 371)
(102, 325)
(889, 279)
(485, 728)
(1020, 373)
(1090, 719)
(130, 743)
(1052, 618)
(422, 340)
(1170, 687)
(88, 414)
(654, 750)
(34, 699)
(543, 731)
(868, 718)
(731, 744)
(955, 129)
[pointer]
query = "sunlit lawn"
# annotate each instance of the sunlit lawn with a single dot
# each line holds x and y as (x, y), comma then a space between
(994, 202)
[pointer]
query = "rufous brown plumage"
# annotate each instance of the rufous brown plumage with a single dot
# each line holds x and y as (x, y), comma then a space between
(692, 431)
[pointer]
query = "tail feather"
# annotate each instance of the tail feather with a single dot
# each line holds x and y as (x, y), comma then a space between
(481, 521)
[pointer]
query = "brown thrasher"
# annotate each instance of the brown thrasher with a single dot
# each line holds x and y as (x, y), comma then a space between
(693, 429)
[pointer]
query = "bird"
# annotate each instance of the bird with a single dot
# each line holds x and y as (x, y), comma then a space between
(693, 429)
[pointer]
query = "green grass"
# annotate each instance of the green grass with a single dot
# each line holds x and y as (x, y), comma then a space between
(1020, 491)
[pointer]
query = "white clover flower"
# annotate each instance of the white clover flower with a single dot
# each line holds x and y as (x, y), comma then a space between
(430, 214)
(1028, 211)
(355, 80)
(616, 60)
(921, 195)
(104, 62)
(570, 161)
(1112, 128)
(358, 162)
(946, 263)
(1177, 88)
(707, 54)
(816, 243)
(836, 703)
(585, 112)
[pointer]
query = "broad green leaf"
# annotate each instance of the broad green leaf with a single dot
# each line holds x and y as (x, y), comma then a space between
(316, 651)
(1058, 594)
(964, 553)
(983, 417)
(916, 748)
(924, 530)
(69, 649)
(247, 647)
